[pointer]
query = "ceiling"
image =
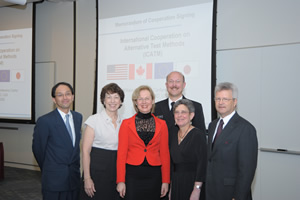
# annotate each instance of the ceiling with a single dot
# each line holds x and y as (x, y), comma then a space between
(5, 3)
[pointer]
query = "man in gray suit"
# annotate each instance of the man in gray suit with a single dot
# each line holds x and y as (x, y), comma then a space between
(232, 150)
(55, 145)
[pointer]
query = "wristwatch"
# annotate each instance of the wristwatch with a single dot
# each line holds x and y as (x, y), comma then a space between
(198, 187)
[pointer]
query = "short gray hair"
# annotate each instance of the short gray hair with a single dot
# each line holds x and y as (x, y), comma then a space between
(227, 86)
(189, 104)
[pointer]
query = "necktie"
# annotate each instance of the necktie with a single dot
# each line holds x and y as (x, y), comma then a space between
(219, 130)
(69, 127)
(172, 106)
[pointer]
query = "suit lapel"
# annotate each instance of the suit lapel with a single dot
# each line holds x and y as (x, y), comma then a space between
(132, 127)
(167, 113)
(226, 132)
(63, 129)
(212, 129)
(77, 127)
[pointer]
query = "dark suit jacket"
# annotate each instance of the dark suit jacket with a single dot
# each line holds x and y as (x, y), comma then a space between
(162, 111)
(132, 149)
(53, 149)
(232, 161)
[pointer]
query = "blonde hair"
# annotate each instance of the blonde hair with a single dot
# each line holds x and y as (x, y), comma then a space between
(136, 94)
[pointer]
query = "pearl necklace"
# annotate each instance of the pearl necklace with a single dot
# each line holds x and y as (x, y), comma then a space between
(181, 138)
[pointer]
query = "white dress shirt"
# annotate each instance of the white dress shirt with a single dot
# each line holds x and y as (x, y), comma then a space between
(170, 101)
(225, 120)
(71, 122)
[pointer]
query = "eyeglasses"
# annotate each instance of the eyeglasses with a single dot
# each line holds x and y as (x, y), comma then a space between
(223, 99)
(59, 95)
(174, 81)
(147, 99)
(181, 112)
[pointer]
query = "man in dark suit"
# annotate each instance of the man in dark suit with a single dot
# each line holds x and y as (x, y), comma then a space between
(232, 150)
(175, 84)
(55, 146)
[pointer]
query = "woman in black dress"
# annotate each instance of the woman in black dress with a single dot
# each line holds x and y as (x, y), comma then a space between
(188, 154)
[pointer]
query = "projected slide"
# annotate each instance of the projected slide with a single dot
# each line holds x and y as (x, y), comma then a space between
(15, 73)
(143, 48)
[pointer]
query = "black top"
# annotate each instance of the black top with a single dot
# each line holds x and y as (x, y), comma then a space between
(188, 162)
(145, 126)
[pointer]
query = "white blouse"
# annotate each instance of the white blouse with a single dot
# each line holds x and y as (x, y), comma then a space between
(106, 135)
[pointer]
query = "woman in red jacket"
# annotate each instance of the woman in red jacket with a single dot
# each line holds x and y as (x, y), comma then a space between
(143, 159)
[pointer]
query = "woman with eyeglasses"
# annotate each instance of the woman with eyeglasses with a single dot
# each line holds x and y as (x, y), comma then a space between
(188, 154)
(143, 161)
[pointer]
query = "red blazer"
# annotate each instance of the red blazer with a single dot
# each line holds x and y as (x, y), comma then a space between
(132, 149)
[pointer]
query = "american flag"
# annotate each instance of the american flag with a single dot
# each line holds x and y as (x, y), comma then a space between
(117, 72)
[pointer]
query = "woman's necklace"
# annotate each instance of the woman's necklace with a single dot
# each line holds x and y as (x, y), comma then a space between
(180, 138)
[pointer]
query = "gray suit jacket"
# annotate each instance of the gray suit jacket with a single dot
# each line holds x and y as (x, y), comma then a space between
(232, 161)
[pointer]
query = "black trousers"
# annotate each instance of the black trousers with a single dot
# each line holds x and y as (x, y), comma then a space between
(64, 195)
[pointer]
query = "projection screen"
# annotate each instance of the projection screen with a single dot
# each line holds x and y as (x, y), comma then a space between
(16, 30)
(140, 42)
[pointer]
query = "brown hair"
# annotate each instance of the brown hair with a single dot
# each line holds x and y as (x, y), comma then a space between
(111, 88)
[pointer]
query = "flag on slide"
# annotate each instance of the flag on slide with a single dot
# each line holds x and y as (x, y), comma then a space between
(143, 71)
(161, 70)
(4, 75)
(188, 68)
(117, 72)
(131, 71)
(17, 75)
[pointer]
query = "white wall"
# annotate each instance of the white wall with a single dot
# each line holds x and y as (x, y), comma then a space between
(258, 45)
(256, 23)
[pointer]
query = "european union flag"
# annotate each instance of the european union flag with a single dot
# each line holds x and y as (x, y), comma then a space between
(162, 70)
(4, 75)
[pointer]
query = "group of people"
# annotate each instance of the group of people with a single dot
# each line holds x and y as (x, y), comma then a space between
(162, 152)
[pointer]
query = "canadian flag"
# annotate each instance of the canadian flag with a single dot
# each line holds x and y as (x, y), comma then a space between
(140, 71)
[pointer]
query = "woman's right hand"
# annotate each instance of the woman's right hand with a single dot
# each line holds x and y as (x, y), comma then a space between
(89, 187)
(121, 188)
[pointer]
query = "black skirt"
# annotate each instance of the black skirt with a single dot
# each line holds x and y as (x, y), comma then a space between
(143, 182)
(103, 174)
